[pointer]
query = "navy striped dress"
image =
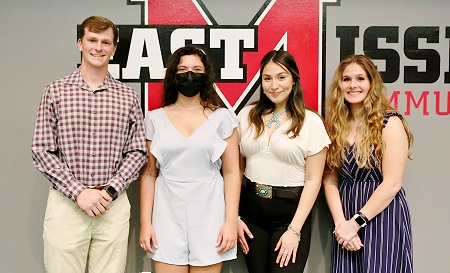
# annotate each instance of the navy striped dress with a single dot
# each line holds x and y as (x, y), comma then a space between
(387, 238)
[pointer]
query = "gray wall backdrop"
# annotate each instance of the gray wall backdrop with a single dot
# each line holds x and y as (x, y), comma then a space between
(38, 45)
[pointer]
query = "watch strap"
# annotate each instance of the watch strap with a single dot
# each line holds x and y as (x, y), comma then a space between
(361, 219)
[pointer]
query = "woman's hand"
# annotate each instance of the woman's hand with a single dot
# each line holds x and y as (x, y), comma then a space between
(227, 237)
(147, 238)
(242, 229)
(355, 244)
(287, 246)
(346, 231)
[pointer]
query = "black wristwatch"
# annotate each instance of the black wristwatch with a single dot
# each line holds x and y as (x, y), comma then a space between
(361, 219)
(112, 192)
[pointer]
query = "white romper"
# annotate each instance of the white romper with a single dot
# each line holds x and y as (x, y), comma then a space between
(189, 205)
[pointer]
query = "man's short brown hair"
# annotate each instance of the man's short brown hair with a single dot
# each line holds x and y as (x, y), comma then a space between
(98, 24)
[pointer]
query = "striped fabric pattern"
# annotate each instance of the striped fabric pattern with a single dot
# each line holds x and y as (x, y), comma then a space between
(387, 238)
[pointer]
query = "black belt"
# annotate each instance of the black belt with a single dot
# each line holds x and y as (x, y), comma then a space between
(266, 191)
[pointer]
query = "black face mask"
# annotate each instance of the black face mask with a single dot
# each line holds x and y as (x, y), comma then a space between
(190, 83)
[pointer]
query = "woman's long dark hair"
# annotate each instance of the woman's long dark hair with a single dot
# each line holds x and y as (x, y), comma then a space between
(295, 105)
(208, 95)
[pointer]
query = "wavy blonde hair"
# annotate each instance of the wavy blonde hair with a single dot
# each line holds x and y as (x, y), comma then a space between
(369, 148)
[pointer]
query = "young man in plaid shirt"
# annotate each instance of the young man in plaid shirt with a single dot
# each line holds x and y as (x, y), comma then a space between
(89, 142)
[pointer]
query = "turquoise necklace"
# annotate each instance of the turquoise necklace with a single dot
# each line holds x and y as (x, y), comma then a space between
(276, 119)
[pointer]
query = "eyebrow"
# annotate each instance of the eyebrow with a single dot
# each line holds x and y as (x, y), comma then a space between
(281, 73)
(357, 75)
(89, 37)
(184, 66)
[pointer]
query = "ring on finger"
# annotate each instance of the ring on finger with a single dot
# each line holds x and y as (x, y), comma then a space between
(142, 245)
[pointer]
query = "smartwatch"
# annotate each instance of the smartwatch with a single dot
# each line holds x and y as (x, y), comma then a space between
(361, 219)
(112, 192)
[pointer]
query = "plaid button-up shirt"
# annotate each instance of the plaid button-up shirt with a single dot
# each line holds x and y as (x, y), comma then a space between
(88, 138)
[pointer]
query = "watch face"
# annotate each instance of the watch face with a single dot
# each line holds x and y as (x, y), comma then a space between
(112, 192)
(360, 220)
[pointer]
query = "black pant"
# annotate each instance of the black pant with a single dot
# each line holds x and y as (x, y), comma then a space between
(268, 219)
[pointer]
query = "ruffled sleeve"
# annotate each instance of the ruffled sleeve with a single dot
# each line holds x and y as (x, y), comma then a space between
(149, 126)
(226, 122)
(151, 133)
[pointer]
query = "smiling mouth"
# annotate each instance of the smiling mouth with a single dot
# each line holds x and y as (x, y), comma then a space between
(97, 55)
(276, 93)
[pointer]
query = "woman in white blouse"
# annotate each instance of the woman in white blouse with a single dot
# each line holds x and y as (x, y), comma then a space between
(283, 146)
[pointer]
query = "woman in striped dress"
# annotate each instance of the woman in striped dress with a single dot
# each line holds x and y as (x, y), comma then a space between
(370, 143)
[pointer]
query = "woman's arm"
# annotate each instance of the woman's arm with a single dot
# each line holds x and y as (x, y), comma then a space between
(393, 168)
(232, 182)
(149, 173)
(330, 186)
(242, 227)
(331, 190)
(313, 180)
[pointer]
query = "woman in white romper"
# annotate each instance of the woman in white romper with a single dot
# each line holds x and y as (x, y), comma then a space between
(191, 184)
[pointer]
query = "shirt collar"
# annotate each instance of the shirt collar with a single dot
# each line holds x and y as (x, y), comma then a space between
(77, 78)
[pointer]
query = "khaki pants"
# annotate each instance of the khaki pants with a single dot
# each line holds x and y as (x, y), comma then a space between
(71, 237)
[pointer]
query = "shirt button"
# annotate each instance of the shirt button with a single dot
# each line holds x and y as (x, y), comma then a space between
(94, 112)
(92, 175)
(93, 133)
(93, 154)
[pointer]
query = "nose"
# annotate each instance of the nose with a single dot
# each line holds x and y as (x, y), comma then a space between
(274, 85)
(190, 72)
(99, 46)
(353, 84)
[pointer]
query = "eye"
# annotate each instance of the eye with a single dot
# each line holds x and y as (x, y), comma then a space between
(361, 78)
(346, 79)
(266, 79)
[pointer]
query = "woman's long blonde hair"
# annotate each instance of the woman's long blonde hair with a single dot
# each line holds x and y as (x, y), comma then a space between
(337, 117)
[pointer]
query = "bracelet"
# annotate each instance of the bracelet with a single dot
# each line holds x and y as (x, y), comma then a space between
(363, 216)
(239, 218)
(299, 235)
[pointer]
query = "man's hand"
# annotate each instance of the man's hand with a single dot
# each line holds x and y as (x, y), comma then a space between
(94, 202)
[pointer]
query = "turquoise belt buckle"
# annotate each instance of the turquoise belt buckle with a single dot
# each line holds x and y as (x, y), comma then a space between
(264, 191)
